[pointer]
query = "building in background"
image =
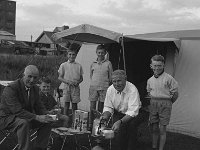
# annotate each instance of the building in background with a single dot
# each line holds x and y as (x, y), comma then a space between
(7, 16)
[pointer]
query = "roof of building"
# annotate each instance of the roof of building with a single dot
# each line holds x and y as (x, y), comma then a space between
(48, 34)
(5, 33)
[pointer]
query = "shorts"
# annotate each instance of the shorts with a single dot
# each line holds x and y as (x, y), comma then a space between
(97, 95)
(71, 94)
(160, 111)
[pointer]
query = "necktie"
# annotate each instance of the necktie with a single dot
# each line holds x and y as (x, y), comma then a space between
(28, 92)
(119, 93)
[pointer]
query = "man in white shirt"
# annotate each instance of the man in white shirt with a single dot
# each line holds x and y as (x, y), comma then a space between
(123, 103)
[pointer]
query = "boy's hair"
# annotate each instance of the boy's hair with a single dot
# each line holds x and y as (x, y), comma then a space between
(101, 46)
(74, 47)
(44, 80)
(158, 58)
(70, 50)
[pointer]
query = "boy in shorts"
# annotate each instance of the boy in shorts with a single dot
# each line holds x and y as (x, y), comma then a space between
(163, 90)
(100, 75)
(50, 103)
(71, 75)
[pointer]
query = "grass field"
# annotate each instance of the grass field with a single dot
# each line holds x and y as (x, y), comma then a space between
(12, 66)
(175, 141)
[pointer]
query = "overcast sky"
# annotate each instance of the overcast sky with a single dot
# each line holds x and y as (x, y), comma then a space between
(124, 16)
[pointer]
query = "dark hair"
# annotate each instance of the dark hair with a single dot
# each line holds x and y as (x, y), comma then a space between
(70, 50)
(101, 46)
(158, 58)
(45, 80)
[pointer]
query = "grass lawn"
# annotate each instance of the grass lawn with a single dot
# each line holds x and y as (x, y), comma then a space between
(175, 141)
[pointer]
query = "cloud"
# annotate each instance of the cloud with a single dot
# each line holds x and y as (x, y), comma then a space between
(124, 16)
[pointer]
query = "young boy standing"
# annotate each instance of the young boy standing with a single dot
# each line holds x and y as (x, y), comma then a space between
(100, 75)
(50, 103)
(163, 90)
(71, 75)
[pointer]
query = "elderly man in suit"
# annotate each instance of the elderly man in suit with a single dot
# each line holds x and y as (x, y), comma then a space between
(21, 110)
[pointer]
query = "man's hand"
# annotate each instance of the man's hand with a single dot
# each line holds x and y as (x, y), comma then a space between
(116, 126)
(51, 112)
(55, 111)
(105, 116)
(44, 118)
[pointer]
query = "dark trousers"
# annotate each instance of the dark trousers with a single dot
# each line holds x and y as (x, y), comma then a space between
(22, 127)
(126, 137)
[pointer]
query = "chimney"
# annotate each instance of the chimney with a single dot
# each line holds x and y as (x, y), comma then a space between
(65, 27)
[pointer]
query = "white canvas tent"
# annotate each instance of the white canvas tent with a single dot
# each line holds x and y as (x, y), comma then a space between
(91, 36)
(185, 114)
(181, 51)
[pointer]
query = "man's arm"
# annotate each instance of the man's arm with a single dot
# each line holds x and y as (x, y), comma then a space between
(118, 123)
(11, 100)
(108, 106)
(134, 103)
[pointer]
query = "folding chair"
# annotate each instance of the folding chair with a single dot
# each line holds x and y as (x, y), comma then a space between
(7, 133)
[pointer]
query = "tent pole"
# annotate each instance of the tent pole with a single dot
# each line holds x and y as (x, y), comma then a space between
(124, 60)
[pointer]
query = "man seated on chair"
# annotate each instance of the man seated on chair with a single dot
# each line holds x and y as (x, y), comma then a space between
(21, 110)
(50, 103)
(123, 102)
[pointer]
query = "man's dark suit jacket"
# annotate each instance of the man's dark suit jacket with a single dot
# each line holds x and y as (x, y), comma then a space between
(15, 103)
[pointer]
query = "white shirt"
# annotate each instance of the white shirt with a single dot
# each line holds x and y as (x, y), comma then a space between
(71, 71)
(128, 102)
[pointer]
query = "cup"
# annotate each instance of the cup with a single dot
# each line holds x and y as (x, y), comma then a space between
(108, 134)
(54, 117)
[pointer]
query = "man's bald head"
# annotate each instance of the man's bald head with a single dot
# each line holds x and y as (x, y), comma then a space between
(31, 69)
(119, 73)
(31, 74)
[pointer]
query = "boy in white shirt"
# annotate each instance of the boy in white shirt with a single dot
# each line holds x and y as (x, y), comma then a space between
(71, 75)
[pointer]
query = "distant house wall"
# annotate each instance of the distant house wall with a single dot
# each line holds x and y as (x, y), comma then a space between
(49, 50)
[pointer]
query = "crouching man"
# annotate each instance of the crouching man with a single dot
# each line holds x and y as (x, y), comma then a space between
(122, 102)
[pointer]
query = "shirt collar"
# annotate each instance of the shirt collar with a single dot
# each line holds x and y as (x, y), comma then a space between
(100, 62)
(156, 76)
(27, 88)
(71, 62)
(124, 90)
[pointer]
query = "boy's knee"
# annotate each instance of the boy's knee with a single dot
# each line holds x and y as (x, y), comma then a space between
(162, 129)
(155, 127)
